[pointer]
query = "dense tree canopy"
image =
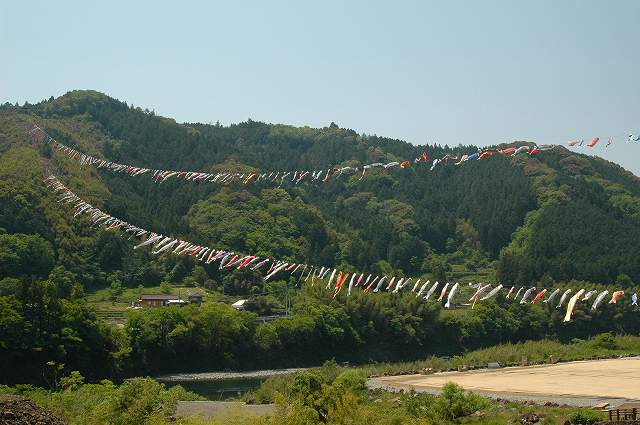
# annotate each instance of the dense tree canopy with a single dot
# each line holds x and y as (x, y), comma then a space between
(557, 219)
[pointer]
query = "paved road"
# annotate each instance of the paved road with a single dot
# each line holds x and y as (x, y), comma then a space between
(582, 383)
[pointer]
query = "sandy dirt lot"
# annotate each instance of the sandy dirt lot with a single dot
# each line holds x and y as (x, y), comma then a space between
(574, 383)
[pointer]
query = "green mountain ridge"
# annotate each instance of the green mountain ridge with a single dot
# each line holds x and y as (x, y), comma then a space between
(557, 219)
(560, 214)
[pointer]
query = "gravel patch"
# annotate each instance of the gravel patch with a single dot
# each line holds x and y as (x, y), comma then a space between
(16, 410)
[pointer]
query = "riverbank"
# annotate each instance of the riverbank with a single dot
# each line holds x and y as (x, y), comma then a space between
(219, 376)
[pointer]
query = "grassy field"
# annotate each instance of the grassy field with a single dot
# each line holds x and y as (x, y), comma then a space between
(113, 311)
(102, 296)
(459, 273)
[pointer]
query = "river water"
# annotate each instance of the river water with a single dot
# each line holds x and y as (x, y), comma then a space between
(219, 390)
(222, 385)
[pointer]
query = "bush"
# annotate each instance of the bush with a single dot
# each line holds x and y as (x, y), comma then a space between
(72, 382)
(166, 288)
(606, 341)
(136, 401)
(351, 381)
(454, 402)
(269, 390)
(5, 389)
(585, 417)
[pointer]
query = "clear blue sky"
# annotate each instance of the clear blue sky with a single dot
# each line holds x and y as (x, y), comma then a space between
(475, 72)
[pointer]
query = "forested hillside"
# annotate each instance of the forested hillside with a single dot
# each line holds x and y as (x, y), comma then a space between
(555, 219)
